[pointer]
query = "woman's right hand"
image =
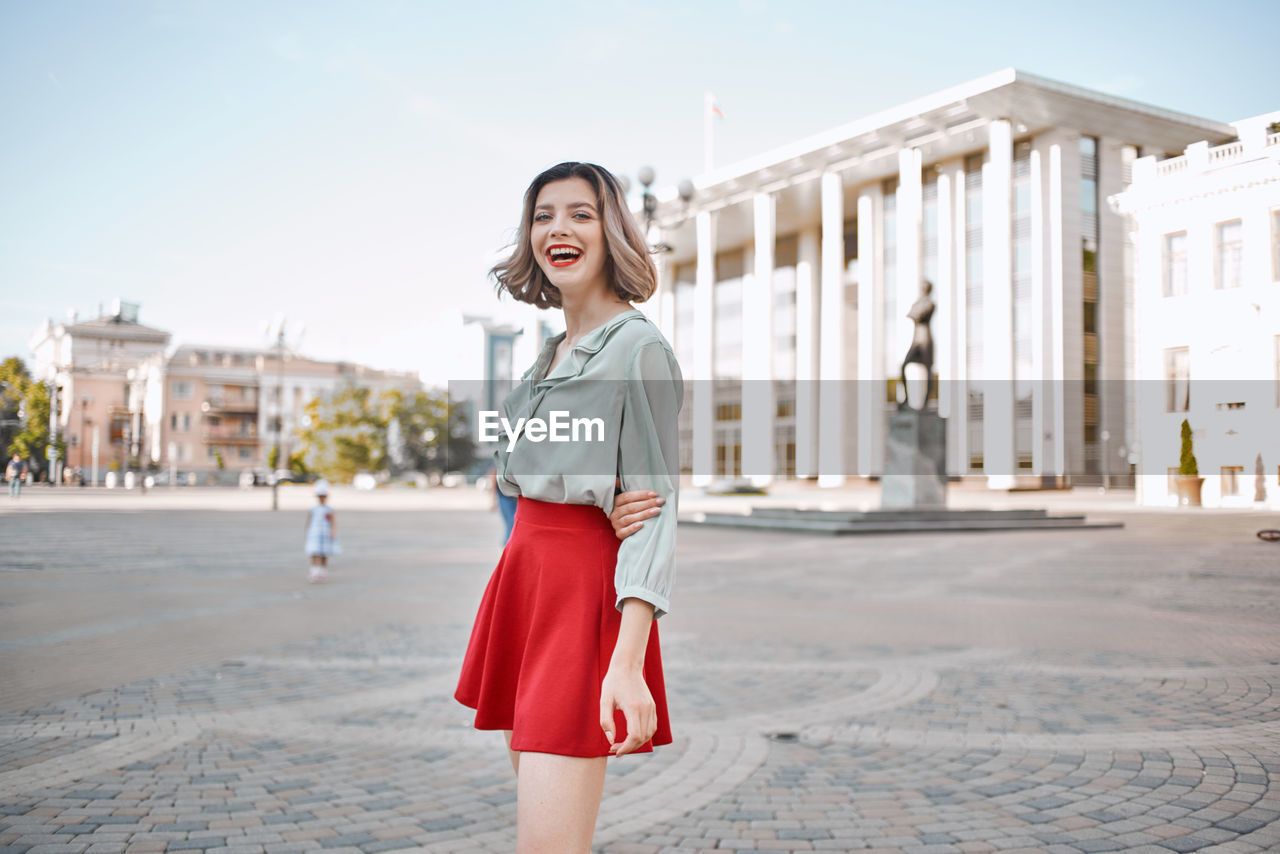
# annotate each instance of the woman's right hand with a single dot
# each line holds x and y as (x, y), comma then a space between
(630, 509)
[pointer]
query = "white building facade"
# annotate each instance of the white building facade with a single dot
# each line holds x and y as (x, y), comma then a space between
(787, 289)
(1207, 315)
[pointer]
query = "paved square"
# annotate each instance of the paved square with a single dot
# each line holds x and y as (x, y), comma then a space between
(171, 683)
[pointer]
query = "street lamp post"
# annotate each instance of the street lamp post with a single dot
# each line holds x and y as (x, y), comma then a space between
(275, 480)
(51, 450)
(649, 202)
(84, 408)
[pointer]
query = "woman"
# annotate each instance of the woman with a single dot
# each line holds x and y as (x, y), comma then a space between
(564, 653)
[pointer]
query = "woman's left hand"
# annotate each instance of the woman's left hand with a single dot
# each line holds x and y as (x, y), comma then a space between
(625, 689)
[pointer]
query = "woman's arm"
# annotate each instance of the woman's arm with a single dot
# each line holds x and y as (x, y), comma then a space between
(648, 461)
(624, 687)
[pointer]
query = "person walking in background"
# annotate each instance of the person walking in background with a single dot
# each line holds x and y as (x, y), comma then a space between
(321, 530)
(504, 503)
(14, 473)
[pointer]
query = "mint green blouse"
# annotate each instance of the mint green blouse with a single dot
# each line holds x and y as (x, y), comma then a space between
(621, 390)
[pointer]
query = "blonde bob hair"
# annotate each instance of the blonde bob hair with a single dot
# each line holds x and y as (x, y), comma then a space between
(631, 271)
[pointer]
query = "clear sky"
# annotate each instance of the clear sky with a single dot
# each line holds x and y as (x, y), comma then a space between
(355, 165)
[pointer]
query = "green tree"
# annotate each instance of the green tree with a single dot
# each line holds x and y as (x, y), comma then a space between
(434, 431)
(24, 403)
(1187, 462)
(346, 434)
(298, 464)
(13, 392)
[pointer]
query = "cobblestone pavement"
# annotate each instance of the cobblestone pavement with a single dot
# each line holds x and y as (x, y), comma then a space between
(169, 683)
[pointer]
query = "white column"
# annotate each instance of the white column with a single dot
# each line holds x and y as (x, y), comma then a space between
(942, 324)
(997, 297)
(910, 204)
(1152, 440)
(667, 301)
(757, 350)
(958, 434)
(870, 372)
(1057, 348)
(807, 295)
(704, 305)
(831, 389)
(1038, 376)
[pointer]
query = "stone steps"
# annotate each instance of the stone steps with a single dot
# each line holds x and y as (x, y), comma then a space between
(840, 522)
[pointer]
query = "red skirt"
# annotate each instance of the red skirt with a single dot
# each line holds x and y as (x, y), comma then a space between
(545, 632)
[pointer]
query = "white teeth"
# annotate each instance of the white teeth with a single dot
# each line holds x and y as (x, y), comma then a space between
(564, 250)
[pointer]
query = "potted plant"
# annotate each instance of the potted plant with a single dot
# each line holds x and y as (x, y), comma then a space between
(1189, 481)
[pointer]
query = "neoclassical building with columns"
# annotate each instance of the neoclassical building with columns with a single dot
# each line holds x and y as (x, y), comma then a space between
(786, 289)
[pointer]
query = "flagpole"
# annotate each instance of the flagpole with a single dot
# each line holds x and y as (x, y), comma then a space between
(708, 131)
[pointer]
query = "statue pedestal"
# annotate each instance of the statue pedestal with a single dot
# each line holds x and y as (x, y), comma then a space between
(915, 471)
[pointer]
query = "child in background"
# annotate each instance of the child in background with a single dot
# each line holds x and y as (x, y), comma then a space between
(321, 528)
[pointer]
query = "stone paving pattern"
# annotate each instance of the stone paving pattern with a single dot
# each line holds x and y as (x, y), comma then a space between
(169, 683)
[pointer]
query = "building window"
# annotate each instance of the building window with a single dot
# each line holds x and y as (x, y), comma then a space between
(786, 256)
(729, 412)
(1275, 245)
(181, 390)
(728, 315)
(1278, 370)
(246, 453)
(1177, 372)
(1226, 255)
(1175, 264)
(929, 223)
(173, 421)
(1091, 288)
(850, 243)
(1231, 479)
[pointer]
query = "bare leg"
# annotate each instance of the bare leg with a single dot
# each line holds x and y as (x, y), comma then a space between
(514, 755)
(557, 801)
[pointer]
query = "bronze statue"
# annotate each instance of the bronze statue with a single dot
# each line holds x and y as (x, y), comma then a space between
(921, 351)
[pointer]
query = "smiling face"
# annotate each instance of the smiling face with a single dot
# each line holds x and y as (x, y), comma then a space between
(567, 238)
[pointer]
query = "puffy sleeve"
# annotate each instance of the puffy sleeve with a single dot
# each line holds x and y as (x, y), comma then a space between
(648, 458)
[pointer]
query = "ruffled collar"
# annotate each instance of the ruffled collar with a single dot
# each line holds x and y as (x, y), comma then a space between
(576, 359)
